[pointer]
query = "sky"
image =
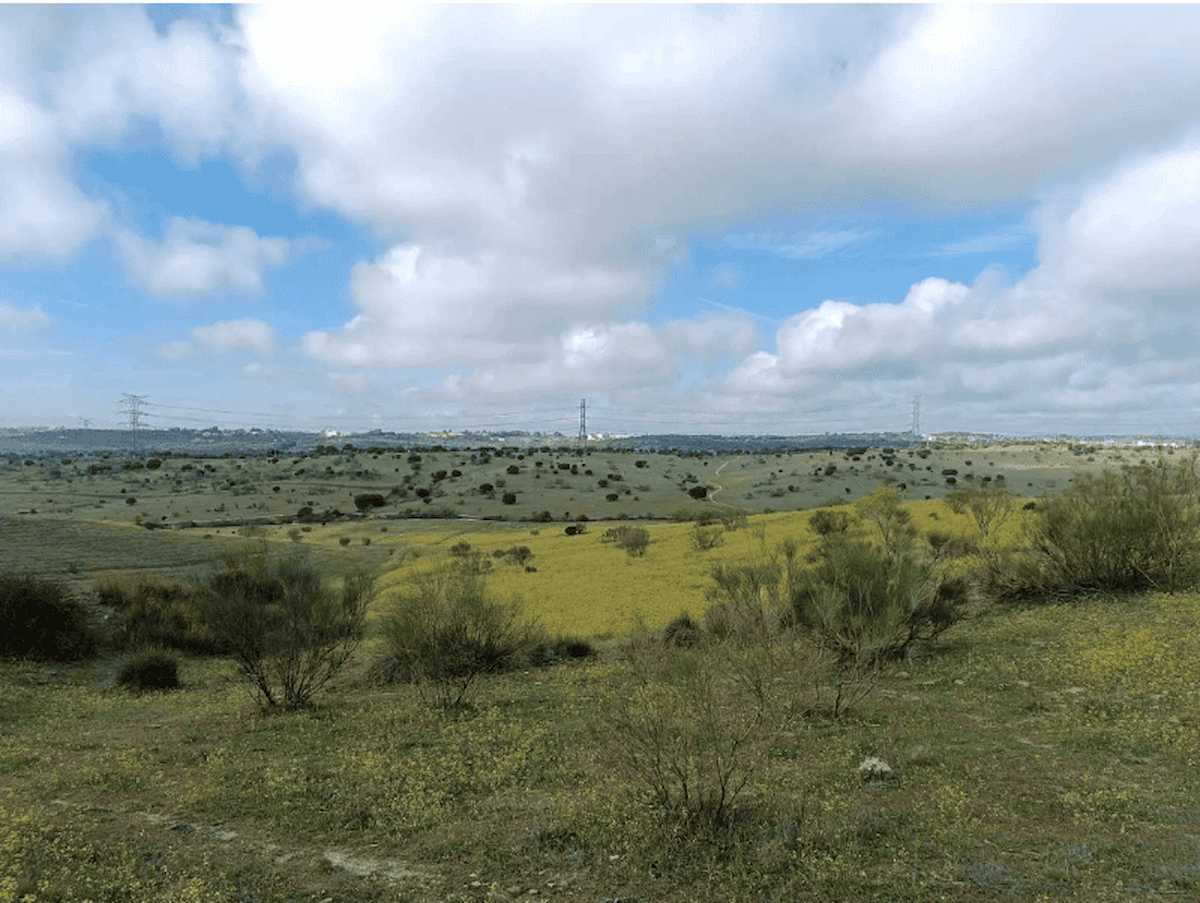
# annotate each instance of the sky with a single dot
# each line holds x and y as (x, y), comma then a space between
(702, 219)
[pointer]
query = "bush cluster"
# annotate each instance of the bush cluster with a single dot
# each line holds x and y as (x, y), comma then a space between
(1132, 530)
(43, 619)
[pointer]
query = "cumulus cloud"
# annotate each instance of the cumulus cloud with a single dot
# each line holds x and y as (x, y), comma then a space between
(419, 307)
(22, 318)
(1101, 324)
(226, 336)
(75, 80)
(199, 258)
(252, 336)
(537, 171)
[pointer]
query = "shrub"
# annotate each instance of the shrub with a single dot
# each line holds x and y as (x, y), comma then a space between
(634, 540)
(343, 541)
(698, 492)
(705, 538)
(689, 728)
(558, 649)
(150, 669)
(682, 631)
(42, 619)
(746, 600)
(157, 613)
(1133, 530)
(365, 501)
(868, 603)
(289, 632)
(734, 520)
(825, 522)
(509, 498)
(988, 508)
(446, 630)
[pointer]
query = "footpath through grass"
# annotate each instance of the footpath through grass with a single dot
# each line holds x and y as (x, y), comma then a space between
(1043, 753)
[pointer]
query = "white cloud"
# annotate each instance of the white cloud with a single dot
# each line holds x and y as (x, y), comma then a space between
(801, 246)
(22, 318)
(421, 308)
(985, 243)
(538, 170)
(79, 79)
(253, 336)
(198, 258)
(1100, 325)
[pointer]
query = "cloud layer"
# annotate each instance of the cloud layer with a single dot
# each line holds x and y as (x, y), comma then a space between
(534, 173)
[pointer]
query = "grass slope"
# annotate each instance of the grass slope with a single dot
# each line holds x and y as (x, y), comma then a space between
(1049, 753)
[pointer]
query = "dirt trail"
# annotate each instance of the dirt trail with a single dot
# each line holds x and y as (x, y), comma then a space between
(351, 863)
(717, 487)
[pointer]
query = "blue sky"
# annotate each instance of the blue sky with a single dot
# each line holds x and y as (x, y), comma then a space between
(720, 220)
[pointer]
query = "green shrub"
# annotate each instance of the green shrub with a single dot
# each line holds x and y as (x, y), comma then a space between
(153, 612)
(365, 501)
(826, 523)
(634, 540)
(988, 508)
(705, 538)
(289, 632)
(42, 619)
(553, 650)
(1137, 529)
(690, 727)
(682, 631)
(446, 630)
(150, 669)
(867, 602)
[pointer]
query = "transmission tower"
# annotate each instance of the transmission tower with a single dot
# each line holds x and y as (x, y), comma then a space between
(133, 407)
(916, 417)
(583, 434)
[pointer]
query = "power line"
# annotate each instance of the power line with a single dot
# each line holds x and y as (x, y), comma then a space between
(134, 408)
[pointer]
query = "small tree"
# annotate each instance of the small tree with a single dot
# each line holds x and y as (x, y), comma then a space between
(288, 630)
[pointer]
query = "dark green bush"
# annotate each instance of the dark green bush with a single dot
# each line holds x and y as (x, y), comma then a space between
(150, 669)
(682, 631)
(42, 619)
(558, 649)
(152, 612)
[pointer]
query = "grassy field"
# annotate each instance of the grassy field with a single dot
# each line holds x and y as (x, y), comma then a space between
(225, 490)
(1048, 753)
(1040, 753)
(582, 584)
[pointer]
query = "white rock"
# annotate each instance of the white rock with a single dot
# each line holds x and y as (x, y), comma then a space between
(873, 768)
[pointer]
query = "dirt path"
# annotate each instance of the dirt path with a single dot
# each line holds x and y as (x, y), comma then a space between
(717, 487)
(246, 843)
